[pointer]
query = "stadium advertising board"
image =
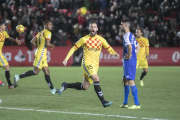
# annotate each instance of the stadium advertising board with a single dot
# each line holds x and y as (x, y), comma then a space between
(21, 56)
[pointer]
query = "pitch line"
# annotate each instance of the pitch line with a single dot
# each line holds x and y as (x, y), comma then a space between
(76, 113)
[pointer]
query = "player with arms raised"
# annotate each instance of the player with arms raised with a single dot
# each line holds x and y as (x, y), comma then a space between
(92, 45)
(3, 62)
(130, 49)
(41, 41)
(143, 53)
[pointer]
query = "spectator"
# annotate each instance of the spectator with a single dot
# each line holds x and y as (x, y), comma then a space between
(60, 40)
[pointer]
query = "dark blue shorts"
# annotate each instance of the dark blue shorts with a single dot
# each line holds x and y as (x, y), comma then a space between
(129, 72)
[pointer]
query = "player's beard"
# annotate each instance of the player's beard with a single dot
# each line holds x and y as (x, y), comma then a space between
(93, 33)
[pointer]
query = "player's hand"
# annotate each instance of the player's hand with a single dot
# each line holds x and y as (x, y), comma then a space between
(18, 41)
(117, 55)
(64, 62)
(127, 57)
(53, 47)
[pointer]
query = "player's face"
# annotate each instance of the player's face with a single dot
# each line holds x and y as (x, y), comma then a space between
(122, 27)
(48, 26)
(93, 29)
(138, 33)
(3, 27)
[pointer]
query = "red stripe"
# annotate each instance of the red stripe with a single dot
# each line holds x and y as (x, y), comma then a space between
(108, 47)
(75, 45)
(35, 36)
(147, 46)
(48, 39)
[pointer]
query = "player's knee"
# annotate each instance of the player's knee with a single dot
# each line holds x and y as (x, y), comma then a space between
(36, 72)
(85, 87)
(131, 82)
(96, 79)
(47, 72)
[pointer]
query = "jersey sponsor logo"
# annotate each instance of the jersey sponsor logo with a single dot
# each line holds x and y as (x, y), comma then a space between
(20, 57)
(94, 49)
(176, 56)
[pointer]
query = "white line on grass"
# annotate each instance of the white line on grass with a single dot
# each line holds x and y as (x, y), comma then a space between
(48, 111)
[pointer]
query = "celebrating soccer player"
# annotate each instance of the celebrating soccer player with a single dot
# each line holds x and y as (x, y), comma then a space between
(130, 49)
(3, 61)
(143, 53)
(92, 45)
(41, 41)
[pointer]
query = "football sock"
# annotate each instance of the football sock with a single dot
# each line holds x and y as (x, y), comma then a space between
(27, 74)
(7, 74)
(142, 75)
(99, 92)
(77, 86)
(135, 94)
(48, 80)
(126, 94)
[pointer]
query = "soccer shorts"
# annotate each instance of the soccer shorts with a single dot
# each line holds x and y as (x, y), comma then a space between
(142, 64)
(129, 72)
(89, 70)
(40, 62)
(3, 61)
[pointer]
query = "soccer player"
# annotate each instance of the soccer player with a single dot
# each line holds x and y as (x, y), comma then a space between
(92, 45)
(41, 41)
(143, 54)
(130, 48)
(3, 62)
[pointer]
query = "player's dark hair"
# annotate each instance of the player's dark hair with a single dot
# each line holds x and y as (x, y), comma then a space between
(140, 29)
(45, 22)
(92, 22)
(126, 21)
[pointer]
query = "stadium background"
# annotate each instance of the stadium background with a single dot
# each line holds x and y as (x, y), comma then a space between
(159, 18)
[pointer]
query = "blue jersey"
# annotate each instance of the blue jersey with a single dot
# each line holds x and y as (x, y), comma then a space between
(129, 38)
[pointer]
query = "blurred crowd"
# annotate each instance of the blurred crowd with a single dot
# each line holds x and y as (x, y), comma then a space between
(160, 19)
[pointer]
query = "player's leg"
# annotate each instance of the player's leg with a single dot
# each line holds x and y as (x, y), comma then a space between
(48, 79)
(5, 65)
(77, 86)
(7, 74)
(98, 90)
(35, 71)
(126, 93)
(145, 70)
(135, 95)
(144, 65)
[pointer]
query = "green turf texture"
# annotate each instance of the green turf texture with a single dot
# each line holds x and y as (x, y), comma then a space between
(159, 98)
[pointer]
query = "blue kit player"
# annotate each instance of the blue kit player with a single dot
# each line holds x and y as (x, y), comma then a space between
(130, 50)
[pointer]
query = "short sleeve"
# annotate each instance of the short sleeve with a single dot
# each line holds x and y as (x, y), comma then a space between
(6, 34)
(126, 39)
(80, 42)
(136, 44)
(48, 35)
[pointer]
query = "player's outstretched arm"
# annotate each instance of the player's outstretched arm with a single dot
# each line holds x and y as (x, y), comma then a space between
(15, 40)
(33, 42)
(72, 50)
(109, 48)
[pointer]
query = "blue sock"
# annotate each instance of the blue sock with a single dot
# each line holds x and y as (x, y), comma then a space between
(135, 94)
(126, 94)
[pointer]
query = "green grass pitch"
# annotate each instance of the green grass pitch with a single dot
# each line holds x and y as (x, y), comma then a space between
(32, 100)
